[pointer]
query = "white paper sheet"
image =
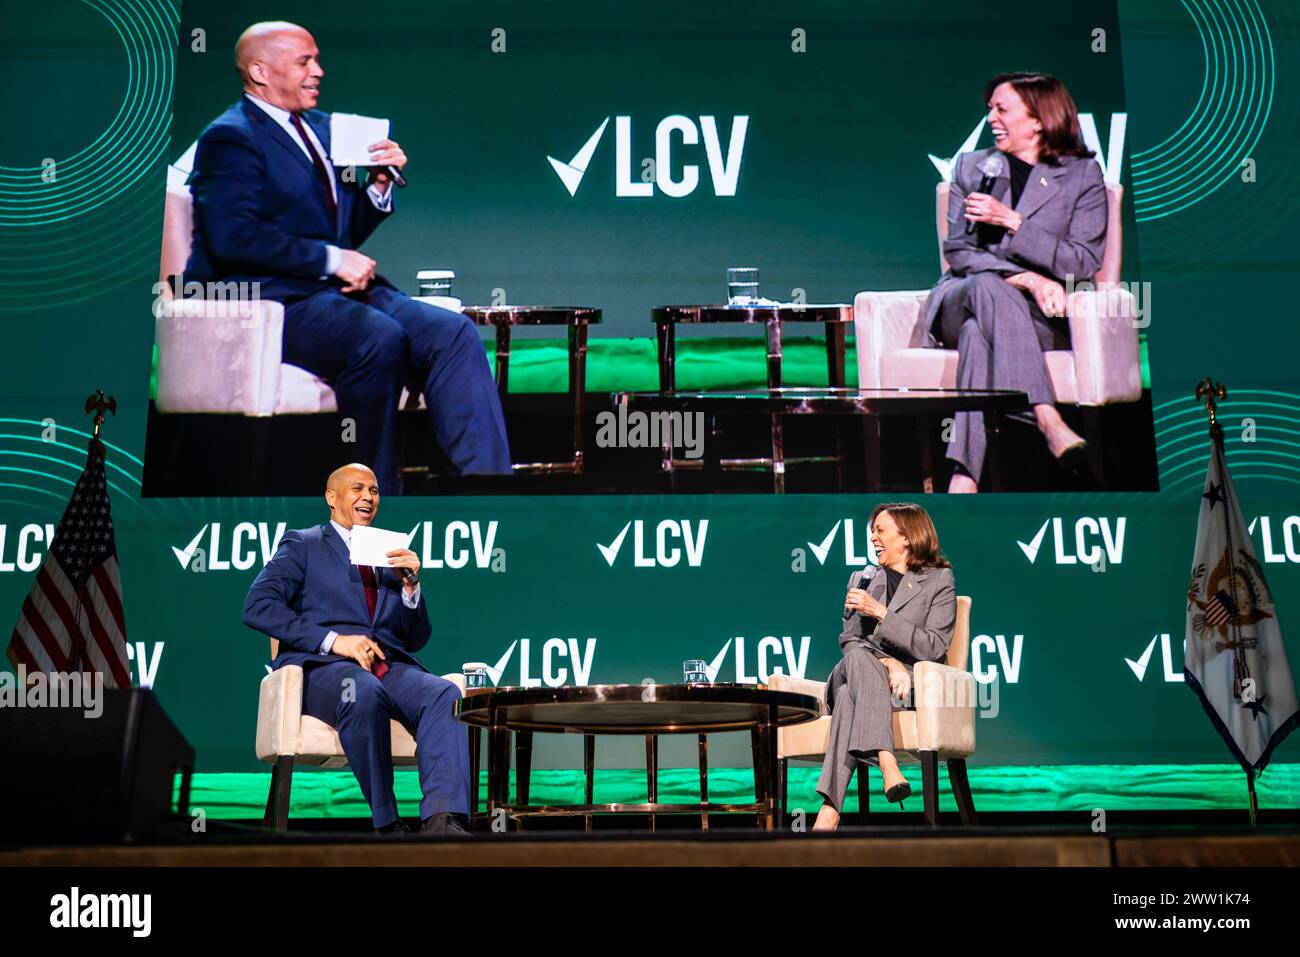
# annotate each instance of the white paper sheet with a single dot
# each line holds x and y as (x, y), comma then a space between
(351, 135)
(370, 545)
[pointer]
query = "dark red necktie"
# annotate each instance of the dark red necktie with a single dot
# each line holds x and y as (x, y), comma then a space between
(372, 599)
(316, 161)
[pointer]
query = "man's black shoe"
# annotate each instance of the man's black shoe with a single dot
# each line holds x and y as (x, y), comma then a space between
(445, 824)
(396, 827)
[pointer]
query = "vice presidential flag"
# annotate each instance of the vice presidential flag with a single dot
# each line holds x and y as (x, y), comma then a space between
(1235, 660)
(71, 621)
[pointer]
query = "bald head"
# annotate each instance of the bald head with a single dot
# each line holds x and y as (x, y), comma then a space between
(352, 494)
(279, 63)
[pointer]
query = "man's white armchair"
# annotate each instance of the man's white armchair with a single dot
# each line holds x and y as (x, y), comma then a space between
(286, 737)
(1102, 367)
(941, 725)
(220, 352)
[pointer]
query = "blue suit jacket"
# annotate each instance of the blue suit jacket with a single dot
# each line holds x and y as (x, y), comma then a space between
(260, 213)
(311, 588)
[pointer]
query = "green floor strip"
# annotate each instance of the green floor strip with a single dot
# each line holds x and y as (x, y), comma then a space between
(335, 794)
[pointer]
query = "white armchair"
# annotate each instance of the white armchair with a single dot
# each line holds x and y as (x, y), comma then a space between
(1103, 367)
(222, 354)
(942, 725)
(287, 738)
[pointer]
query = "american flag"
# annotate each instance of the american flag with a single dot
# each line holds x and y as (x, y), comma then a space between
(1220, 609)
(71, 620)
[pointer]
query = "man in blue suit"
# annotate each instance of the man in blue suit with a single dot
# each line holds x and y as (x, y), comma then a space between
(355, 630)
(270, 209)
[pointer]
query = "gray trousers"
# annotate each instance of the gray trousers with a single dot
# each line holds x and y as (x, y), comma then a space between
(862, 705)
(1000, 336)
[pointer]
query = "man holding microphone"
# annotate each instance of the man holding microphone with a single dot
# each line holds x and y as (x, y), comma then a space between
(354, 630)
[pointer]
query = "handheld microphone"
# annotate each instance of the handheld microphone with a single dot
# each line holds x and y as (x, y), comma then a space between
(864, 579)
(991, 169)
(398, 179)
(408, 576)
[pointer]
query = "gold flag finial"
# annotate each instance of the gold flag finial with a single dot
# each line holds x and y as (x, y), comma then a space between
(99, 404)
(1211, 393)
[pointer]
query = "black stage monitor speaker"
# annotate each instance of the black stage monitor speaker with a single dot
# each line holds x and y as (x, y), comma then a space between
(71, 776)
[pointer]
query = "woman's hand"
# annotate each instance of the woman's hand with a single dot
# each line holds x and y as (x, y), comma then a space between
(1048, 293)
(900, 682)
(860, 600)
(983, 208)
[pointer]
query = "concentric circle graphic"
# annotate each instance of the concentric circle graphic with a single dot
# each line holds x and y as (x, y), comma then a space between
(92, 222)
(1230, 114)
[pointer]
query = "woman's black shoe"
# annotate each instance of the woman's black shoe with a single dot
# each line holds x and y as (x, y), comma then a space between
(898, 794)
(1075, 458)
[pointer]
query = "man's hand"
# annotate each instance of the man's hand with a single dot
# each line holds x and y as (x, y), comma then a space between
(900, 682)
(362, 649)
(860, 600)
(355, 269)
(405, 558)
(385, 153)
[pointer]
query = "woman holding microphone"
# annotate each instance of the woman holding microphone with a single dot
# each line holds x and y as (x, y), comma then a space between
(1025, 219)
(896, 614)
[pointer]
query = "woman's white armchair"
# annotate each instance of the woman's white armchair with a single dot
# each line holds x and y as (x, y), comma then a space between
(942, 725)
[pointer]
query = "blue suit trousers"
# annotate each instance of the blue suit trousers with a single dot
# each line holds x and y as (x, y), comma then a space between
(352, 699)
(368, 351)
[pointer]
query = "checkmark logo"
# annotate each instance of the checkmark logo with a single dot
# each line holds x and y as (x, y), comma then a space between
(184, 555)
(495, 671)
(1031, 549)
(571, 173)
(611, 550)
(1140, 666)
(822, 550)
(945, 166)
(711, 669)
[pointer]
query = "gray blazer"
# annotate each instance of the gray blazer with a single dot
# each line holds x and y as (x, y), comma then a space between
(920, 621)
(1064, 232)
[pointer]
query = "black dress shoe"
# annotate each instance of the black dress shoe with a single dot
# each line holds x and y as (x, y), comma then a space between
(396, 827)
(446, 824)
(898, 794)
(1074, 459)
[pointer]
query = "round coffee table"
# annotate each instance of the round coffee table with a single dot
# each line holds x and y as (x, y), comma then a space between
(649, 710)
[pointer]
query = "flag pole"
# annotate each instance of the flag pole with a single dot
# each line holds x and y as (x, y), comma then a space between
(1254, 805)
(1211, 393)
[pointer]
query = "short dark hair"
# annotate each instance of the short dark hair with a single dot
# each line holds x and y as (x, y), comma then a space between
(1049, 102)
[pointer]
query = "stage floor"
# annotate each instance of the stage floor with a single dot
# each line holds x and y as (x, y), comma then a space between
(892, 846)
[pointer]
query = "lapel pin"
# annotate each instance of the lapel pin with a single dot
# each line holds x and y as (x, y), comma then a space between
(1042, 181)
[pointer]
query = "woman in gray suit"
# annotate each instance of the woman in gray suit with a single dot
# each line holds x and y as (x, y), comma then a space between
(895, 615)
(1001, 304)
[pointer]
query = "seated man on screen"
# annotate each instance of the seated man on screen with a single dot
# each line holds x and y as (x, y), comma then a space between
(354, 630)
(269, 208)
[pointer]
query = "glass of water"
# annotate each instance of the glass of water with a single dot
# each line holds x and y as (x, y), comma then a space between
(476, 674)
(435, 282)
(693, 672)
(742, 285)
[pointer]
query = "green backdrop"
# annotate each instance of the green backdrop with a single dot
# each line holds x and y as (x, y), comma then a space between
(833, 196)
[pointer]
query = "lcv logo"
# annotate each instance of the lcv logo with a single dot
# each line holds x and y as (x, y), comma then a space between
(20, 550)
(1278, 543)
(821, 550)
(763, 658)
(673, 540)
(1092, 541)
(457, 544)
(561, 661)
(658, 171)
